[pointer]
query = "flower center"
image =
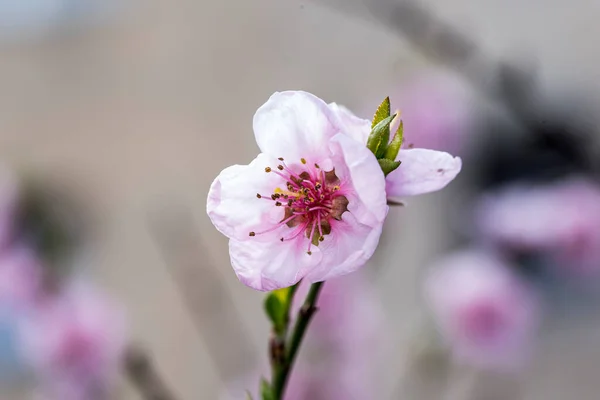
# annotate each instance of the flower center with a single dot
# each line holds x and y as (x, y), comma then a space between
(311, 199)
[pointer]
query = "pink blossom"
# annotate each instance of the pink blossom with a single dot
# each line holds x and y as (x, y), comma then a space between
(297, 389)
(20, 277)
(435, 112)
(312, 204)
(74, 343)
(484, 312)
(346, 340)
(561, 219)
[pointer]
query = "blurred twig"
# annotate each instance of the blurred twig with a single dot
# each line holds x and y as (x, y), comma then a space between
(510, 86)
(206, 297)
(141, 372)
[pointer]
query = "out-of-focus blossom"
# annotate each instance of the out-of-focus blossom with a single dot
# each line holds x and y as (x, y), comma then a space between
(343, 346)
(74, 343)
(297, 388)
(561, 219)
(435, 112)
(311, 205)
(346, 340)
(315, 195)
(20, 278)
(484, 312)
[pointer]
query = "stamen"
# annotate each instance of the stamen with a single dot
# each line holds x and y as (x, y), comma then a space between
(285, 221)
(310, 238)
(309, 193)
(319, 208)
(296, 233)
(320, 227)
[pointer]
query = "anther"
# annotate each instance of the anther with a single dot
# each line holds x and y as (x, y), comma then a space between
(280, 167)
(274, 197)
(309, 253)
(318, 185)
(258, 195)
(336, 188)
(252, 234)
(280, 158)
(321, 238)
(277, 203)
(317, 165)
(303, 161)
(290, 202)
(281, 239)
(268, 169)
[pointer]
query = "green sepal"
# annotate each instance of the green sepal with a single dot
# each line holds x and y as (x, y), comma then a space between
(388, 166)
(383, 111)
(394, 147)
(277, 305)
(379, 137)
(266, 391)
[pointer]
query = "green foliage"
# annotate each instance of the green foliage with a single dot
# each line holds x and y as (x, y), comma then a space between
(266, 391)
(388, 166)
(277, 306)
(383, 111)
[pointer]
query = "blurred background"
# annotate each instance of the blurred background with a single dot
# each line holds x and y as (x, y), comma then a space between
(131, 108)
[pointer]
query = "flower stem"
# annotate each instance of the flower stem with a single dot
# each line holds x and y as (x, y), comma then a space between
(281, 371)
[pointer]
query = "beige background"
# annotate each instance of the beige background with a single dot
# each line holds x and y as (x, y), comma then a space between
(137, 116)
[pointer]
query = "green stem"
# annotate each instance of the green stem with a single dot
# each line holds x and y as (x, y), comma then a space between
(281, 372)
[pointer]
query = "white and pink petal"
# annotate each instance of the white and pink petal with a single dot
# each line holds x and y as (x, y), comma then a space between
(422, 171)
(270, 265)
(232, 203)
(294, 125)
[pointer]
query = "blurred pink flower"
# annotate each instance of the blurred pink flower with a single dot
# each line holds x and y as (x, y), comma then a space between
(297, 389)
(346, 340)
(74, 343)
(283, 211)
(435, 112)
(485, 313)
(20, 278)
(561, 219)
(315, 195)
